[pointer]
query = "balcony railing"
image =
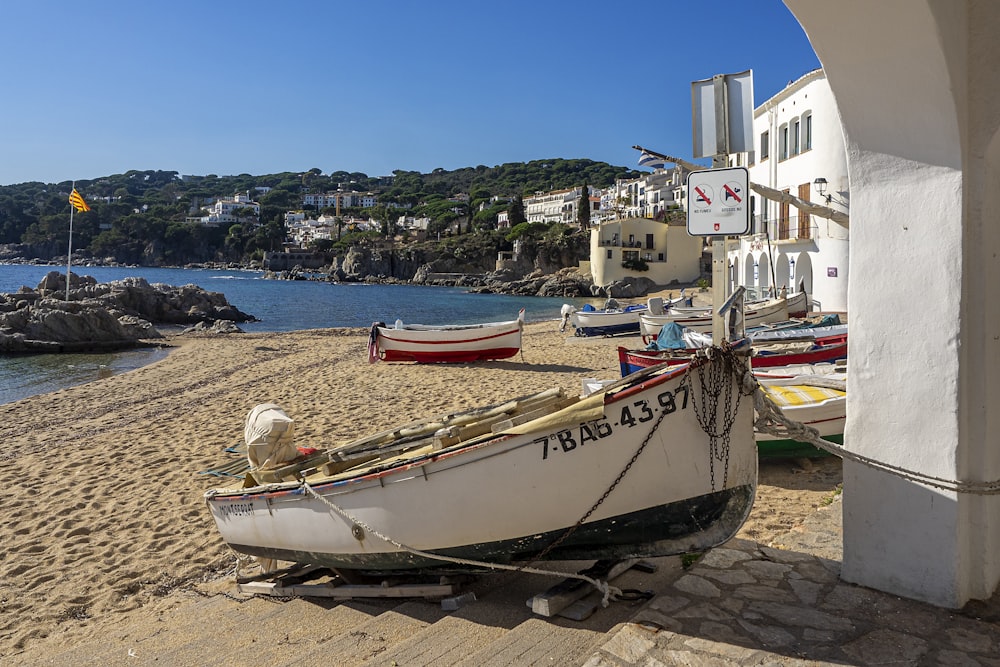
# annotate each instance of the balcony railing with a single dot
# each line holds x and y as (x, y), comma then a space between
(614, 243)
(792, 228)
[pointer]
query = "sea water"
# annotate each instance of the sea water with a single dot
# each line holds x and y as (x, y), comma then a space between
(278, 305)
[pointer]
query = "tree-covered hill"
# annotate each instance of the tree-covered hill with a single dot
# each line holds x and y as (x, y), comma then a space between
(139, 216)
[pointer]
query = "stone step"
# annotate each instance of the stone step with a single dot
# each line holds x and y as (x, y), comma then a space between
(370, 639)
(537, 641)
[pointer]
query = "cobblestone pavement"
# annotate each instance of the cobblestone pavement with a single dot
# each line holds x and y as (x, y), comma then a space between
(748, 604)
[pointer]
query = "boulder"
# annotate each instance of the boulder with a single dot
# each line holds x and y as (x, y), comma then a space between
(105, 316)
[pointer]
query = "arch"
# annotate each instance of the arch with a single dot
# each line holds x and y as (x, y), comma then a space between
(763, 274)
(918, 228)
(749, 280)
(781, 273)
(803, 274)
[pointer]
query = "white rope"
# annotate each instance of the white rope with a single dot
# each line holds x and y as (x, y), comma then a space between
(608, 591)
(771, 420)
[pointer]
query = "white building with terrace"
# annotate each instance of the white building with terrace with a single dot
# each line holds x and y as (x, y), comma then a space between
(800, 152)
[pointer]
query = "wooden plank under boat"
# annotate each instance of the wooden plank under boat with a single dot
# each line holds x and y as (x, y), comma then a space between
(504, 483)
(458, 343)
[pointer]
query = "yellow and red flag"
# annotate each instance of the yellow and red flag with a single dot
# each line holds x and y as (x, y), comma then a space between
(77, 201)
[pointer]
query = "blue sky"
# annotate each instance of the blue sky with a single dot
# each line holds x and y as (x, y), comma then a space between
(224, 87)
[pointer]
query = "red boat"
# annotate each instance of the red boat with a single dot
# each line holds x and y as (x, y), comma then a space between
(764, 356)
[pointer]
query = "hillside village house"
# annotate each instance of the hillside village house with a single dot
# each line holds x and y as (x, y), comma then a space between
(635, 236)
(662, 251)
(800, 152)
(649, 196)
(222, 211)
(346, 200)
(560, 205)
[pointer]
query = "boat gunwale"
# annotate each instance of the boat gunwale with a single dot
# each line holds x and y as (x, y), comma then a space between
(611, 395)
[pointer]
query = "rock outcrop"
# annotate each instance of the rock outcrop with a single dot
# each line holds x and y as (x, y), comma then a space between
(102, 316)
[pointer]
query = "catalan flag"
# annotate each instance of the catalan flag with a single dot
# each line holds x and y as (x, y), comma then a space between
(77, 201)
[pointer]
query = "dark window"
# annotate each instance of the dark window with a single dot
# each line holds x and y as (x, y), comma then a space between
(765, 141)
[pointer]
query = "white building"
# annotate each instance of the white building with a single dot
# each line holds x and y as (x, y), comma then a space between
(223, 211)
(800, 151)
(347, 199)
(648, 196)
(560, 205)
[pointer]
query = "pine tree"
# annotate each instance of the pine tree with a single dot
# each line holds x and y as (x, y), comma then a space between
(516, 213)
(583, 209)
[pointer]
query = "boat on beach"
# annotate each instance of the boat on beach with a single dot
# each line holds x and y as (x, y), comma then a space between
(625, 472)
(816, 400)
(455, 343)
(765, 354)
(755, 314)
(606, 322)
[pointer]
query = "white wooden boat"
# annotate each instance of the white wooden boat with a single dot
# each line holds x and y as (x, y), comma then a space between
(457, 343)
(505, 483)
(755, 314)
(815, 396)
(607, 322)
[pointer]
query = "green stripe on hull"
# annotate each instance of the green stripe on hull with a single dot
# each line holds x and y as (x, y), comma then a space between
(794, 449)
(692, 525)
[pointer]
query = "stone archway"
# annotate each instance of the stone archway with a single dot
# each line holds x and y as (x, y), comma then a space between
(915, 83)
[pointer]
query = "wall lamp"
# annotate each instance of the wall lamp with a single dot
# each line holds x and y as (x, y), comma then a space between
(821, 186)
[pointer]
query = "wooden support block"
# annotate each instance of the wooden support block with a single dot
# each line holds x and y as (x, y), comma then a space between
(568, 591)
(348, 591)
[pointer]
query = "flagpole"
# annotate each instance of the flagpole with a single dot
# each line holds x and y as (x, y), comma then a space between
(69, 255)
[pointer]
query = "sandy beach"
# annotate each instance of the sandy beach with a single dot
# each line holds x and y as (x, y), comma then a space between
(103, 510)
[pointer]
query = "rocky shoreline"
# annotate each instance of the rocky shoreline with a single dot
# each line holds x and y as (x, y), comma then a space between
(94, 316)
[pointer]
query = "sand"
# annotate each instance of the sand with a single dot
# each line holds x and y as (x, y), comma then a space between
(102, 496)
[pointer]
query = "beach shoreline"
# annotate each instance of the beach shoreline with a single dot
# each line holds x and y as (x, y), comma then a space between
(105, 515)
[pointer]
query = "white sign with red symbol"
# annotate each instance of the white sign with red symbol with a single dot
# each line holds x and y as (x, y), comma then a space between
(718, 202)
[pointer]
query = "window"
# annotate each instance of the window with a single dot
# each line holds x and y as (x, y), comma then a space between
(609, 253)
(795, 137)
(807, 132)
(783, 149)
(765, 141)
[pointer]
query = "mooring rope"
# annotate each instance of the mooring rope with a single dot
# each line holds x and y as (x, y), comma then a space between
(607, 591)
(771, 420)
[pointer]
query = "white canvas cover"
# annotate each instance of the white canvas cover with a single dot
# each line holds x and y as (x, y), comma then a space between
(269, 434)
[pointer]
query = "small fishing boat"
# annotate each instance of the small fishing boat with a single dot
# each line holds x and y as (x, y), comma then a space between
(627, 471)
(764, 355)
(606, 322)
(816, 400)
(772, 310)
(457, 343)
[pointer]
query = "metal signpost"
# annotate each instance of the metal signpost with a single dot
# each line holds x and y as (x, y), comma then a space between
(722, 123)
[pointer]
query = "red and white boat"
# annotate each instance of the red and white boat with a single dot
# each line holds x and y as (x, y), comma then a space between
(452, 343)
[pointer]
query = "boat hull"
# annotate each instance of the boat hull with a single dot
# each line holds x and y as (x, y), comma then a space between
(510, 495)
(446, 344)
(775, 310)
(605, 323)
(631, 361)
